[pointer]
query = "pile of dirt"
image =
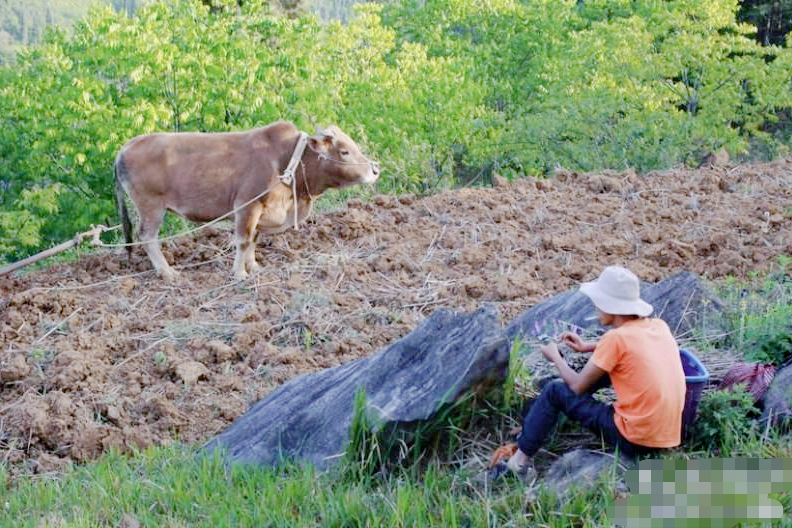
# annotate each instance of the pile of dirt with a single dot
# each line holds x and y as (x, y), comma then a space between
(101, 353)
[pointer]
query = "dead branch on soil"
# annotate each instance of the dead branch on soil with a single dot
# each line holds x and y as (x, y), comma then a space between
(54, 328)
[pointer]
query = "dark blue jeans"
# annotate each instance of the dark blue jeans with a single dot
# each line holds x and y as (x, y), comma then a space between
(596, 416)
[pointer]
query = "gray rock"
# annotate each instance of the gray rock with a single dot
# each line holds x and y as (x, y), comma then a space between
(777, 401)
(682, 300)
(308, 418)
(582, 469)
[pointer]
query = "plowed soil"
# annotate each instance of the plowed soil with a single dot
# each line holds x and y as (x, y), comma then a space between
(101, 352)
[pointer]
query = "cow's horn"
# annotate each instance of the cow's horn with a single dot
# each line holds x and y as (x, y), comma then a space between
(327, 133)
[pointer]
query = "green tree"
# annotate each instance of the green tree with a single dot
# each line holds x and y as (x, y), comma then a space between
(25, 22)
(127, 6)
(443, 92)
(772, 18)
(289, 8)
(22, 226)
(597, 84)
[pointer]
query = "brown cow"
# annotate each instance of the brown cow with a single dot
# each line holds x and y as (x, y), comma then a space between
(203, 176)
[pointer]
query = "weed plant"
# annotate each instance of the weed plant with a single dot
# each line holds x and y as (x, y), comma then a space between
(517, 376)
(375, 451)
(760, 317)
(725, 420)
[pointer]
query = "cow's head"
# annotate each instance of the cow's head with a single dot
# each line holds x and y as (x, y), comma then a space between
(341, 158)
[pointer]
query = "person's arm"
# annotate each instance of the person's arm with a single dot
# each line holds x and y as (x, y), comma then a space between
(577, 344)
(579, 382)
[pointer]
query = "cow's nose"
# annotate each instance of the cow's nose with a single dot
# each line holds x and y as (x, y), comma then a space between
(375, 168)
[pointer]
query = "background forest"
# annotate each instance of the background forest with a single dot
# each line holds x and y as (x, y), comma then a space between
(441, 92)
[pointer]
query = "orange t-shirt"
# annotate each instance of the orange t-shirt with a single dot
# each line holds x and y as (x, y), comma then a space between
(642, 359)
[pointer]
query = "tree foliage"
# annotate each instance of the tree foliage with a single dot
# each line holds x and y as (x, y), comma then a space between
(21, 227)
(24, 22)
(772, 18)
(442, 92)
(619, 83)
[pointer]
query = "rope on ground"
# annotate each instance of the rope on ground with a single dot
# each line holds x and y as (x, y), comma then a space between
(118, 278)
(194, 230)
(93, 233)
(96, 231)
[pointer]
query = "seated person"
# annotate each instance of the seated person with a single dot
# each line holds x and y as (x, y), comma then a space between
(641, 357)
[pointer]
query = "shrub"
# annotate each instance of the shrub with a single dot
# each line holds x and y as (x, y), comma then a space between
(724, 422)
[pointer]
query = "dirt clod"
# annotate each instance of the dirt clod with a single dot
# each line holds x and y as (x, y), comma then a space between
(190, 371)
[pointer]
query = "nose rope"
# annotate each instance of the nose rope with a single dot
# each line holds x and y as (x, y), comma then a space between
(325, 157)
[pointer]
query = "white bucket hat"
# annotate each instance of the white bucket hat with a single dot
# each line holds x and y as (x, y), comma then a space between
(617, 292)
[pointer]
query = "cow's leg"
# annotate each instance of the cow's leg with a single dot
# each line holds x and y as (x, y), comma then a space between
(246, 222)
(148, 234)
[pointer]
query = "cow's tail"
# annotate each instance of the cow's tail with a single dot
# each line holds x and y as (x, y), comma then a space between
(120, 174)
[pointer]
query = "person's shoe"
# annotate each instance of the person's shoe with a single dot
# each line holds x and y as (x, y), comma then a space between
(525, 473)
(497, 472)
(502, 453)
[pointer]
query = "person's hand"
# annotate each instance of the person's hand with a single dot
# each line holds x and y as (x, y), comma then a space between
(573, 341)
(550, 352)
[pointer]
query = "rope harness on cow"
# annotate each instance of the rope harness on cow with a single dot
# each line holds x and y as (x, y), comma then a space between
(195, 230)
(288, 177)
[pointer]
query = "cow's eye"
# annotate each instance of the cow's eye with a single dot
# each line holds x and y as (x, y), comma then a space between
(344, 152)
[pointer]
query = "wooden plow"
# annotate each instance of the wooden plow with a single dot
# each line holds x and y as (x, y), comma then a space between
(92, 233)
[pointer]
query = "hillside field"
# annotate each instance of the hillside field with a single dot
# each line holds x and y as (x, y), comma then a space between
(101, 352)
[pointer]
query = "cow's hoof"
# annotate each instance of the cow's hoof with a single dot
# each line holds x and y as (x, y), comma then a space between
(241, 276)
(169, 275)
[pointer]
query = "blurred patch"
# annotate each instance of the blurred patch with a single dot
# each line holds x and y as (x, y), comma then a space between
(718, 492)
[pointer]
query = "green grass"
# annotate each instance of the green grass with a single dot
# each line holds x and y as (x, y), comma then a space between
(761, 317)
(177, 487)
(174, 487)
